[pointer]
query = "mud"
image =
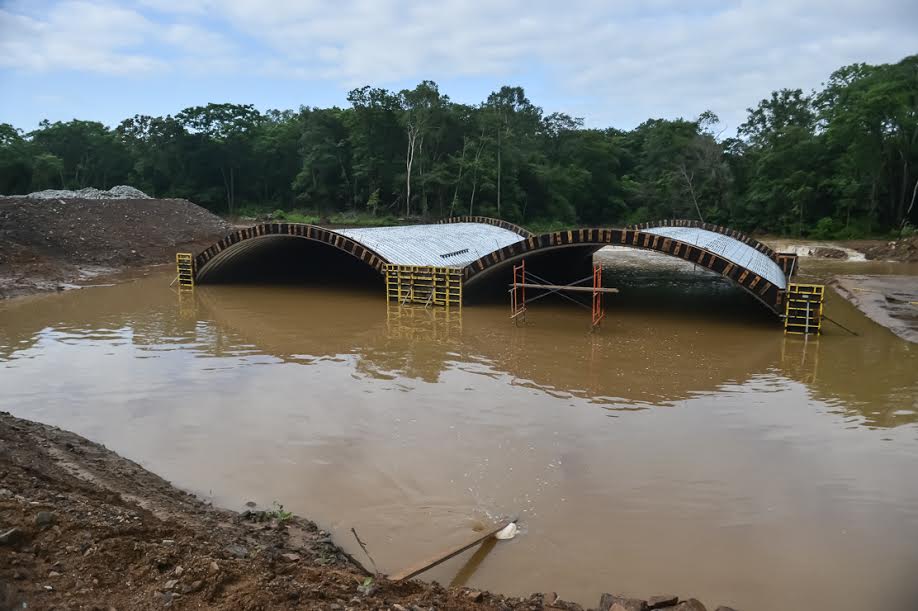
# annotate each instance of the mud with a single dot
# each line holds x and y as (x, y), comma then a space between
(58, 244)
(891, 301)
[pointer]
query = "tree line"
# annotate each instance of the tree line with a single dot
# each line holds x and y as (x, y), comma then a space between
(841, 161)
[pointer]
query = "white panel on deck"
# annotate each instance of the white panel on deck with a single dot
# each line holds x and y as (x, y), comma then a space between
(446, 245)
(729, 248)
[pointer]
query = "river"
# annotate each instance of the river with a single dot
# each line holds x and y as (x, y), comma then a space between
(688, 446)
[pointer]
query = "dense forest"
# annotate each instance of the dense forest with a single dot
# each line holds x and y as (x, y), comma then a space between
(838, 162)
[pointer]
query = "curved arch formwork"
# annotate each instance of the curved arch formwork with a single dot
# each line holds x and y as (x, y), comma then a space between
(733, 233)
(480, 246)
(215, 254)
(767, 292)
(487, 220)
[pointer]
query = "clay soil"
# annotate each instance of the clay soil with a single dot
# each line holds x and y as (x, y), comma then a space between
(55, 244)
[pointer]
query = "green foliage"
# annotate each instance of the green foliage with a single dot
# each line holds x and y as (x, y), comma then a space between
(279, 513)
(840, 162)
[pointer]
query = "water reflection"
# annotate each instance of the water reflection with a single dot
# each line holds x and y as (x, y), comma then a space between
(641, 358)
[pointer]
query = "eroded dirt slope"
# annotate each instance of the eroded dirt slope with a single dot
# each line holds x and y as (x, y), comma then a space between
(45, 244)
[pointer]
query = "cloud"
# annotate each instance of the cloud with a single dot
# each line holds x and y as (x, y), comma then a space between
(76, 36)
(615, 62)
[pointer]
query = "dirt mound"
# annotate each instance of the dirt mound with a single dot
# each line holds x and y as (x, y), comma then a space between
(904, 250)
(46, 243)
(118, 192)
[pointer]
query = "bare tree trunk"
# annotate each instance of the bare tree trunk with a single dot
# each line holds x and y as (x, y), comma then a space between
(409, 161)
(475, 175)
(421, 176)
(498, 170)
(691, 187)
(909, 211)
(452, 205)
(226, 189)
(900, 208)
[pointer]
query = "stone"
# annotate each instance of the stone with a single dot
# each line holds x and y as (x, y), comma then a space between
(194, 586)
(178, 571)
(291, 557)
(550, 598)
(53, 574)
(213, 568)
(171, 584)
(658, 602)
(12, 536)
(475, 596)
(163, 598)
(237, 551)
(43, 519)
(608, 601)
(691, 604)
(724, 608)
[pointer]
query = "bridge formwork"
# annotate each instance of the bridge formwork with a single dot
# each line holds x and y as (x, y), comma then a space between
(469, 250)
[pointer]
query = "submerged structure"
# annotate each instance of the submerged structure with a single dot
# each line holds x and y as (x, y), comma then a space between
(465, 252)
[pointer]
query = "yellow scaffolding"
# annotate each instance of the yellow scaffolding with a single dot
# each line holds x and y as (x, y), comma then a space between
(425, 285)
(803, 309)
(184, 267)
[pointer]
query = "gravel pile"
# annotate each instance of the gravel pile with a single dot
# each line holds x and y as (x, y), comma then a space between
(119, 192)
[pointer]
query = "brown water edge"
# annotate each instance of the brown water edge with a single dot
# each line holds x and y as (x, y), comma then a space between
(687, 448)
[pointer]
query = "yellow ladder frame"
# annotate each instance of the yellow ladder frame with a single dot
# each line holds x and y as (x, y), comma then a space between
(808, 299)
(184, 268)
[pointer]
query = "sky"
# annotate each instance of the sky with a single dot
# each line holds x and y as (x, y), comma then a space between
(614, 62)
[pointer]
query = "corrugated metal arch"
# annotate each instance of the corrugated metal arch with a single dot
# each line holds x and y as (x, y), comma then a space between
(768, 293)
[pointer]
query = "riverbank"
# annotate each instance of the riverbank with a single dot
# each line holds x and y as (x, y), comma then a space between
(82, 527)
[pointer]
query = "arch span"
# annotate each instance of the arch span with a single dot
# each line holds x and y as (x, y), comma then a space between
(244, 242)
(727, 231)
(770, 292)
(487, 220)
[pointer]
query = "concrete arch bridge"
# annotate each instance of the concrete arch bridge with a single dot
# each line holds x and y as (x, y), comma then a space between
(481, 248)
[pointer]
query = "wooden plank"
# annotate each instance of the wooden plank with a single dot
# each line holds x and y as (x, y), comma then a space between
(429, 563)
(564, 287)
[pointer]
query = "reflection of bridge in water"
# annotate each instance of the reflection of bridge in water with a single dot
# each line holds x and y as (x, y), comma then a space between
(482, 248)
(631, 366)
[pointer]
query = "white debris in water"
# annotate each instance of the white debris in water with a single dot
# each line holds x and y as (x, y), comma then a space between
(118, 192)
(508, 532)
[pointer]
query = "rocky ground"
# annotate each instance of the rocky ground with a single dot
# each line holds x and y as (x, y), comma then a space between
(84, 528)
(52, 244)
(904, 250)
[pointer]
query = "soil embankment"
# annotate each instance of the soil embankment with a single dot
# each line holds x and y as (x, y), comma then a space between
(52, 244)
(84, 528)
(890, 301)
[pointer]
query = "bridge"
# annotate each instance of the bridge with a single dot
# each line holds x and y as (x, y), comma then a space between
(481, 247)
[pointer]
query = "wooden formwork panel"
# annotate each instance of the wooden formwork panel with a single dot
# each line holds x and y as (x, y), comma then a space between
(425, 285)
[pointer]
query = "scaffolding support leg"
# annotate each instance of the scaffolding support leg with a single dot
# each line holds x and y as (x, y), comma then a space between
(599, 311)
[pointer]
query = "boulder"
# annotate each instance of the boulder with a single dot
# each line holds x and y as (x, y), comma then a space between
(608, 601)
(659, 602)
(691, 604)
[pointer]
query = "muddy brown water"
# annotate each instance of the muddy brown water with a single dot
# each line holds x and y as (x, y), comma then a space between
(689, 446)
